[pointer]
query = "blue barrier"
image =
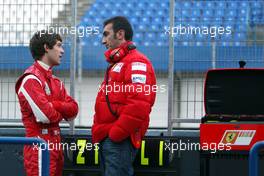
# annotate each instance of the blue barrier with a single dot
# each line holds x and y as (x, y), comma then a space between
(31, 141)
(187, 58)
(253, 158)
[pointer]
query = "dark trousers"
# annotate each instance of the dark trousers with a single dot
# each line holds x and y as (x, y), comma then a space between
(116, 159)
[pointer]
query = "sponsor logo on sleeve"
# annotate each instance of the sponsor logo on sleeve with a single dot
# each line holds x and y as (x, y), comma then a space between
(139, 66)
(138, 78)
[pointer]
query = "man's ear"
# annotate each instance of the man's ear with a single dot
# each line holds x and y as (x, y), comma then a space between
(46, 48)
(121, 34)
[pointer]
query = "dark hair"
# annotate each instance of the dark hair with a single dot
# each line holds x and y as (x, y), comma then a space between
(39, 39)
(120, 22)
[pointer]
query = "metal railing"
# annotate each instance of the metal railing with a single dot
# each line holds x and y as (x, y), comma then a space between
(32, 141)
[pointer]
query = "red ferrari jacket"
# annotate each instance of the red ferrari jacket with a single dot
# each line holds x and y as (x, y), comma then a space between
(131, 94)
(43, 100)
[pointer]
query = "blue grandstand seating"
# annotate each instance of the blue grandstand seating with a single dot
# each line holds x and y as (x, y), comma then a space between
(209, 4)
(195, 13)
(232, 5)
(186, 5)
(149, 17)
(220, 4)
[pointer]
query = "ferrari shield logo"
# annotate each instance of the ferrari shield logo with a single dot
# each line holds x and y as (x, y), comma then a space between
(230, 137)
(238, 137)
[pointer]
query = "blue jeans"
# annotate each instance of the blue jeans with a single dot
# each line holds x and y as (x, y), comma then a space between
(116, 159)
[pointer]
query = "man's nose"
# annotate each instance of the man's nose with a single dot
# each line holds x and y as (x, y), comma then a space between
(103, 41)
(62, 51)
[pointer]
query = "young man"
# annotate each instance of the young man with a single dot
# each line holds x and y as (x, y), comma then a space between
(124, 101)
(44, 102)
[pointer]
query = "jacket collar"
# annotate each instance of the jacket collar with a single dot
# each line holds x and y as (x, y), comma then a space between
(45, 66)
(43, 69)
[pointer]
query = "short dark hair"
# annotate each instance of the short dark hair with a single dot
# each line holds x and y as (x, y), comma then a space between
(120, 22)
(39, 39)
